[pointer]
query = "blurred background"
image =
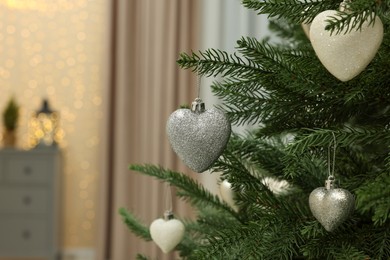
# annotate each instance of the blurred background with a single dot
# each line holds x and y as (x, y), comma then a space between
(107, 68)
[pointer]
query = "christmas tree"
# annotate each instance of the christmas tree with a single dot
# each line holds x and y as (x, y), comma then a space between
(314, 123)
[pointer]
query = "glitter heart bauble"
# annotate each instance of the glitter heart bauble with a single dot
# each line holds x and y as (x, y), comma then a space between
(167, 233)
(331, 207)
(228, 194)
(345, 55)
(198, 136)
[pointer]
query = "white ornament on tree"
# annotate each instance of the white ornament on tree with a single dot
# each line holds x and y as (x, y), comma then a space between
(167, 233)
(345, 55)
(331, 206)
(306, 25)
(198, 135)
(278, 187)
(228, 194)
(306, 29)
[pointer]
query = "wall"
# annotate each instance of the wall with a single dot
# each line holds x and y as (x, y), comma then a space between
(58, 49)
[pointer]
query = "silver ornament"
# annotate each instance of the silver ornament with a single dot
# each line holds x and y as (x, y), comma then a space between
(198, 135)
(331, 206)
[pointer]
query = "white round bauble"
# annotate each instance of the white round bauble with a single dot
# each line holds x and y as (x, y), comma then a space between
(167, 234)
(345, 55)
(228, 194)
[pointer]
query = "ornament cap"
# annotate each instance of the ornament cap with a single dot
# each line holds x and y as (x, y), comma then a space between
(330, 183)
(168, 215)
(198, 106)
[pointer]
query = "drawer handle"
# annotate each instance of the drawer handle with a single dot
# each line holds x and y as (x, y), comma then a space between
(26, 234)
(27, 170)
(27, 200)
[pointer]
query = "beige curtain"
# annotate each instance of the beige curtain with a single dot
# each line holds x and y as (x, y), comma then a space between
(147, 86)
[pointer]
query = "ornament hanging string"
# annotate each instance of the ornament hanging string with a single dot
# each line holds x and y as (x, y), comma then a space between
(331, 171)
(168, 198)
(199, 83)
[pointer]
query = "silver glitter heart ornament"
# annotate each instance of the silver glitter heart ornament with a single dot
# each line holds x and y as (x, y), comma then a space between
(331, 206)
(198, 135)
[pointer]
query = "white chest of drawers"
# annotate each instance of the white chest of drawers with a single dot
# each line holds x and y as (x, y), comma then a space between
(29, 203)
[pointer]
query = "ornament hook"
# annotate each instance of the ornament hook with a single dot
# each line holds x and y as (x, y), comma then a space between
(168, 214)
(199, 83)
(168, 198)
(330, 182)
(198, 106)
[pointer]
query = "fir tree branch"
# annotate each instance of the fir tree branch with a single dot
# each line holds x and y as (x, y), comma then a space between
(373, 196)
(141, 257)
(293, 10)
(223, 244)
(280, 61)
(255, 241)
(347, 252)
(299, 12)
(269, 108)
(214, 62)
(312, 229)
(299, 169)
(379, 242)
(210, 220)
(320, 244)
(344, 137)
(188, 188)
(345, 22)
(246, 182)
(292, 35)
(264, 154)
(134, 225)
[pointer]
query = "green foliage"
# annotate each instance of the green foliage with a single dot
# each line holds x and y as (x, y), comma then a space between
(298, 12)
(11, 115)
(188, 189)
(133, 224)
(141, 257)
(373, 197)
(297, 108)
(185, 106)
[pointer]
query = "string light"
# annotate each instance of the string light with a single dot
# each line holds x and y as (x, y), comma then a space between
(45, 46)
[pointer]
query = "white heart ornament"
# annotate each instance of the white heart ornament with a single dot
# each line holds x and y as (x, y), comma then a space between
(306, 25)
(167, 233)
(227, 194)
(345, 55)
(331, 207)
(306, 29)
(198, 135)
